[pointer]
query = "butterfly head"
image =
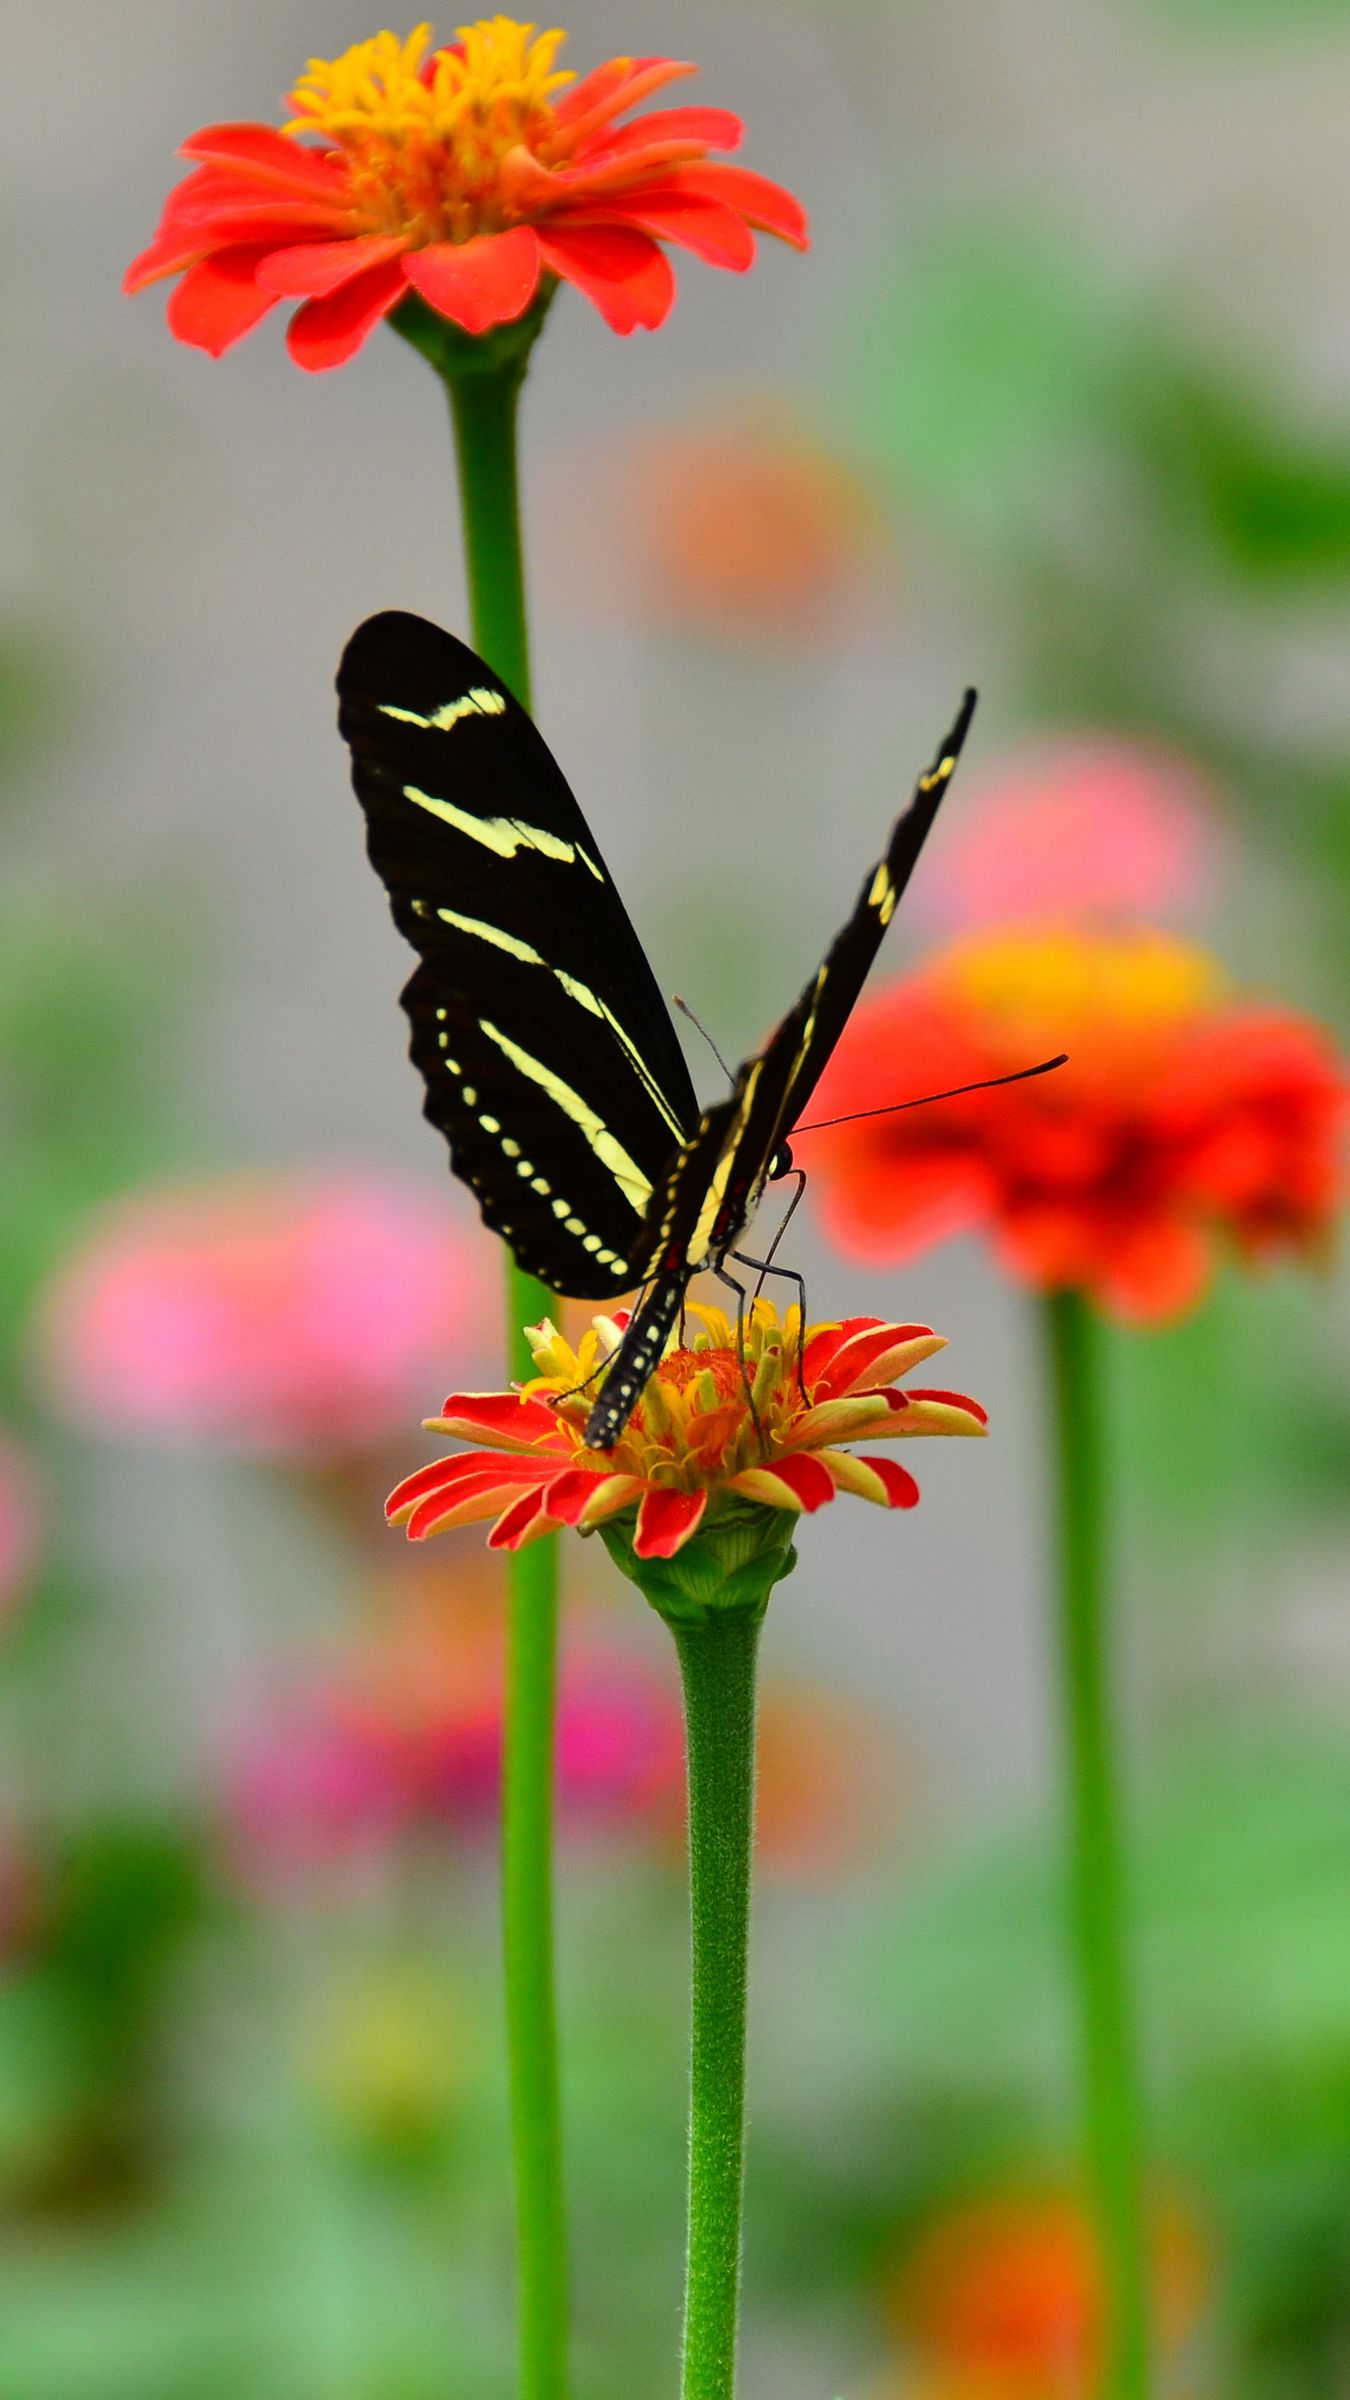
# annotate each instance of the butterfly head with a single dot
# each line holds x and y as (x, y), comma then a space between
(782, 1163)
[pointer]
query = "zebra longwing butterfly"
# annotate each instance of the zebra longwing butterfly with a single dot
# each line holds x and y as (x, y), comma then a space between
(550, 1061)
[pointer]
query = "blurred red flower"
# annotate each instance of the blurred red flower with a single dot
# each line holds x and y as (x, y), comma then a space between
(289, 1317)
(1089, 828)
(692, 1445)
(1187, 1111)
(1002, 2298)
(457, 174)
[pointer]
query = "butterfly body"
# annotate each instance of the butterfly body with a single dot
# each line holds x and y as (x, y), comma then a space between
(549, 1059)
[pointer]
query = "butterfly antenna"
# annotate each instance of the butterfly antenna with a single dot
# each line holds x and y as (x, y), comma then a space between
(988, 1083)
(699, 1026)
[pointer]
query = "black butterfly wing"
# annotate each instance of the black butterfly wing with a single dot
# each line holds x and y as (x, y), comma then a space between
(713, 1183)
(549, 1058)
(802, 1045)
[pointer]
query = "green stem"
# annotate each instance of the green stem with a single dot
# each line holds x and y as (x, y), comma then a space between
(1112, 2101)
(484, 378)
(717, 1663)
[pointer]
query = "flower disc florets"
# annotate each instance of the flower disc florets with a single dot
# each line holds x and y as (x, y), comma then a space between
(472, 176)
(713, 1434)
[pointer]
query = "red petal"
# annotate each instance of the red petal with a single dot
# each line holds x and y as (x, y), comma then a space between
(267, 156)
(515, 1526)
(477, 284)
(620, 83)
(326, 333)
(464, 1506)
(712, 233)
(715, 128)
(219, 300)
(953, 1400)
(901, 1489)
(569, 1493)
(168, 254)
(811, 1482)
(856, 1356)
(753, 197)
(502, 1416)
(626, 274)
(666, 1520)
(468, 1468)
(309, 270)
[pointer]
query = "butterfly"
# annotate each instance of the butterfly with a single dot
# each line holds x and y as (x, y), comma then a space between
(550, 1060)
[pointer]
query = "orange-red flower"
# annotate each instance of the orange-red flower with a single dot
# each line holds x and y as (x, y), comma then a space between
(1187, 1111)
(692, 1449)
(1003, 2297)
(466, 175)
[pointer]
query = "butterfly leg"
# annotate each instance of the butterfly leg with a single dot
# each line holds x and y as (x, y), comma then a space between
(742, 1303)
(765, 1266)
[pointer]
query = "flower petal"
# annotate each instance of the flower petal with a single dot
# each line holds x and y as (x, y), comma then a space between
(843, 1420)
(568, 1497)
(625, 273)
(878, 1355)
(266, 156)
(326, 333)
(954, 1403)
(219, 300)
(477, 284)
(472, 1468)
(801, 1484)
(525, 1521)
(612, 1493)
(309, 270)
(715, 234)
(620, 83)
(441, 1513)
(763, 204)
(876, 1479)
(666, 1520)
(503, 1419)
(714, 128)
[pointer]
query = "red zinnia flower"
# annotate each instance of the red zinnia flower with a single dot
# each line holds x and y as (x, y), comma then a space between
(458, 174)
(691, 1447)
(1186, 1111)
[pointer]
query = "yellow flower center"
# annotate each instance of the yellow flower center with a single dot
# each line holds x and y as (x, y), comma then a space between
(424, 132)
(1048, 985)
(680, 1433)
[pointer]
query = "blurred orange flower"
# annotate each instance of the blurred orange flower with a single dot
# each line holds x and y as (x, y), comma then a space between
(290, 1316)
(692, 1443)
(1002, 2298)
(751, 529)
(461, 175)
(1187, 1111)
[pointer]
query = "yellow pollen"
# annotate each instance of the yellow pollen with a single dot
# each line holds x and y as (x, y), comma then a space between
(424, 131)
(1132, 982)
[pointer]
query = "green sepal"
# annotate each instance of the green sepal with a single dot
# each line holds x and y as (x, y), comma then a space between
(455, 354)
(732, 1562)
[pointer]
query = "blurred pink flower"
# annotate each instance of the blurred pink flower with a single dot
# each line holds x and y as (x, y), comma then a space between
(308, 1790)
(292, 1315)
(1086, 828)
(21, 1522)
(405, 1731)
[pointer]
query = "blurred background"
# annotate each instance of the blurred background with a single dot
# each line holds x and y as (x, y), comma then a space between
(1057, 404)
